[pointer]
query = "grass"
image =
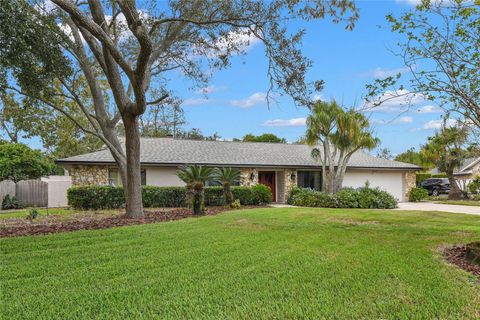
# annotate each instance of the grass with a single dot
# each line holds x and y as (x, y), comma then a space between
(278, 263)
(462, 202)
(22, 213)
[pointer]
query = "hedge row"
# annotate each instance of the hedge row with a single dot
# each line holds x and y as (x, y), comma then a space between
(367, 198)
(107, 197)
(424, 176)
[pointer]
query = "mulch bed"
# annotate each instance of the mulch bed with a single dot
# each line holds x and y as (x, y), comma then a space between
(54, 224)
(457, 255)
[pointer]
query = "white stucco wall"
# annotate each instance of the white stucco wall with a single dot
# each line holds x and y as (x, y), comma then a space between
(163, 177)
(390, 181)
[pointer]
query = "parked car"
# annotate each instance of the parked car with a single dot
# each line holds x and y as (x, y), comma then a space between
(436, 186)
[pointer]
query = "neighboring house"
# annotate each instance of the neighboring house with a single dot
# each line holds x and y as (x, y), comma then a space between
(280, 166)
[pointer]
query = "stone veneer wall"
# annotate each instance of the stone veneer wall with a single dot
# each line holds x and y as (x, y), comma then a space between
(245, 177)
(88, 175)
(410, 183)
(290, 181)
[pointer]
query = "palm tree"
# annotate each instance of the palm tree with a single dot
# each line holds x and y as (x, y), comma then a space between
(340, 133)
(227, 177)
(195, 177)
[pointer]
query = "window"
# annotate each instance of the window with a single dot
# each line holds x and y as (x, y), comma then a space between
(309, 179)
(143, 173)
(114, 178)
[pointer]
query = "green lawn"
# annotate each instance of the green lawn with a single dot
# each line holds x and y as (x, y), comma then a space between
(283, 263)
(462, 202)
(43, 212)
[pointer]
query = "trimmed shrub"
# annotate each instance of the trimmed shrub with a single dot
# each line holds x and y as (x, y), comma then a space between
(261, 194)
(107, 197)
(95, 197)
(348, 198)
(214, 196)
(364, 197)
(293, 193)
(417, 194)
(158, 197)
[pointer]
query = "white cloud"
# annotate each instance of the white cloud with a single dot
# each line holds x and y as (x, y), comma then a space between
(394, 101)
(437, 124)
(382, 73)
(400, 120)
(195, 102)
(410, 2)
(404, 120)
(294, 122)
(251, 101)
(317, 97)
(430, 109)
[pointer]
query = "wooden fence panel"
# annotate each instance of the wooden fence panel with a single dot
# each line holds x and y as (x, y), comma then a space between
(7, 187)
(32, 193)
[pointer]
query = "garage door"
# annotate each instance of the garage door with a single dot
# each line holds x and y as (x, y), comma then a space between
(392, 182)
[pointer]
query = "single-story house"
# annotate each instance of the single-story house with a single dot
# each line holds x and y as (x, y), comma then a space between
(280, 166)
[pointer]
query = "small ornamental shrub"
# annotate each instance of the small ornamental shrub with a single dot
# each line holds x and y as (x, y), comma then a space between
(347, 198)
(10, 203)
(292, 194)
(417, 194)
(474, 186)
(32, 214)
(476, 197)
(261, 194)
(235, 204)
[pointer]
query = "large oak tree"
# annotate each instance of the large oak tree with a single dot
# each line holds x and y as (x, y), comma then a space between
(135, 49)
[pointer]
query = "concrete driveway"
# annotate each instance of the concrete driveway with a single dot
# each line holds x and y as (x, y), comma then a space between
(431, 206)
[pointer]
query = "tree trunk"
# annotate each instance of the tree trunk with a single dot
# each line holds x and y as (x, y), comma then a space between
(455, 192)
(133, 189)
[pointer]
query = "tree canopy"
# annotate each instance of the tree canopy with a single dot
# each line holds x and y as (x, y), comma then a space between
(265, 137)
(439, 46)
(19, 162)
(339, 133)
(123, 51)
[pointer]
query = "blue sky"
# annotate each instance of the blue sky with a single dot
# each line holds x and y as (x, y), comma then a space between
(346, 60)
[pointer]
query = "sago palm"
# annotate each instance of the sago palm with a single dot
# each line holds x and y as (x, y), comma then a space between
(195, 178)
(228, 177)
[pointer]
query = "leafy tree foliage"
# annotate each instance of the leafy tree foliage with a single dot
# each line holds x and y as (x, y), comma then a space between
(385, 153)
(415, 157)
(19, 162)
(265, 137)
(440, 48)
(47, 54)
(339, 134)
(446, 150)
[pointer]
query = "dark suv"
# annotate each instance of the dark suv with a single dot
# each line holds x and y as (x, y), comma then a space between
(436, 186)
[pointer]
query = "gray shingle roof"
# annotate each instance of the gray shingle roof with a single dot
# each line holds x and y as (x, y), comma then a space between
(168, 151)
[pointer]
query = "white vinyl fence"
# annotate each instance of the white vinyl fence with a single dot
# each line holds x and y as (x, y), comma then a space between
(48, 192)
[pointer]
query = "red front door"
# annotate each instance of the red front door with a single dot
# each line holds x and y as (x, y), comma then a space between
(268, 178)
